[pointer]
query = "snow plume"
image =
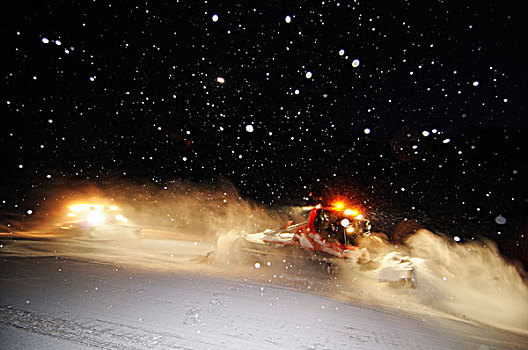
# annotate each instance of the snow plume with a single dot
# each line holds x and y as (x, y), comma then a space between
(470, 280)
(177, 209)
(169, 226)
(207, 210)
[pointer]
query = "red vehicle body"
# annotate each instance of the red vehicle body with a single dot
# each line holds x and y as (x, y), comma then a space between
(334, 230)
(330, 234)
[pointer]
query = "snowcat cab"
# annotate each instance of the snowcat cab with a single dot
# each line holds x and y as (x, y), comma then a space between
(334, 230)
(337, 223)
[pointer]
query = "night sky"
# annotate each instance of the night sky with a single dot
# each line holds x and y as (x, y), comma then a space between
(417, 109)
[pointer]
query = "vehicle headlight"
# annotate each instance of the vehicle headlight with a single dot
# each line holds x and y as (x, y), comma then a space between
(351, 212)
(95, 217)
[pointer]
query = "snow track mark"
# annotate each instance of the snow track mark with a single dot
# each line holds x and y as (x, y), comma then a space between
(91, 332)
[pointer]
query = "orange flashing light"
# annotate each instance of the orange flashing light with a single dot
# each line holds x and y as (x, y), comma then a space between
(338, 205)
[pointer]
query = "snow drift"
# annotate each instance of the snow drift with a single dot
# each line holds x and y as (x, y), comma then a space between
(468, 280)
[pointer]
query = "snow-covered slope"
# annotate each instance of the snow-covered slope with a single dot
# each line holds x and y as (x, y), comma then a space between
(48, 302)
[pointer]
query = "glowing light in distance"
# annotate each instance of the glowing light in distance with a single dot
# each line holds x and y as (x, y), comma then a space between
(215, 18)
(95, 217)
(114, 207)
(287, 19)
(355, 63)
(349, 229)
(220, 80)
(359, 217)
(345, 222)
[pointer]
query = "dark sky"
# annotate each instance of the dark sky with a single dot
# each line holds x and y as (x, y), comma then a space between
(419, 103)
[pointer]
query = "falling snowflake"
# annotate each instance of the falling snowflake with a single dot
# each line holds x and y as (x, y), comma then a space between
(501, 220)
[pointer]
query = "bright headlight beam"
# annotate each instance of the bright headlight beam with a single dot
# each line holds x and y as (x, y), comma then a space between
(95, 217)
(351, 212)
(77, 208)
